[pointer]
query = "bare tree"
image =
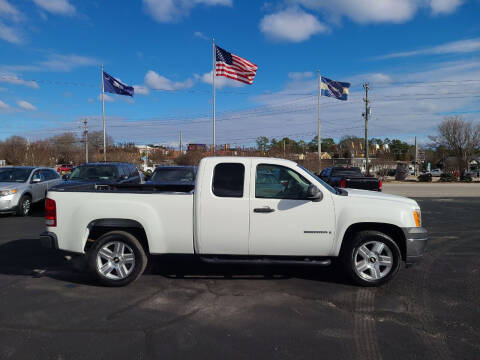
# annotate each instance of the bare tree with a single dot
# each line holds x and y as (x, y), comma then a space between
(459, 136)
(14, 150)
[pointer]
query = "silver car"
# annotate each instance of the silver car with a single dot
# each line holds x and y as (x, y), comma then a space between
(20, 186)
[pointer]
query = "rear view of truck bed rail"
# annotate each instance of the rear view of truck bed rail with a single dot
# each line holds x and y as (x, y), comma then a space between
(129, 188)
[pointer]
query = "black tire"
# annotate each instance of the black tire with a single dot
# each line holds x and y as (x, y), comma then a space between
(132, 246)
(23, 209)
(375, 274)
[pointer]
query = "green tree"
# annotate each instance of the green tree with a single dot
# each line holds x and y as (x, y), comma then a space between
(262, 143)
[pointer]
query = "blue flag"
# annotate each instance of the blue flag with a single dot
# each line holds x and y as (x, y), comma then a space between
(336, 89)
(112, 85)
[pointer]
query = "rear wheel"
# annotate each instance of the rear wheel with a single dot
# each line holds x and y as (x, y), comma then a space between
(24, 205)
(372, 258)
(117, 259)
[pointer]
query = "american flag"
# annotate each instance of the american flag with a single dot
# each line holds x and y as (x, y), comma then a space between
(234, 67)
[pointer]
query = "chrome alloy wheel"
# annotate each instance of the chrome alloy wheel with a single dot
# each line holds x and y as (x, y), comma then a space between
(373, 260)
(26, 204)
(115, 260)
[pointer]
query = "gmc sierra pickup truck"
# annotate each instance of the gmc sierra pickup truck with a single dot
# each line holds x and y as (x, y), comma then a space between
(240, 210)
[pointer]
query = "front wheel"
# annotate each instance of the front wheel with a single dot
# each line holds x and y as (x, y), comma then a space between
(117, 259)
(24, 206)
(372, 258)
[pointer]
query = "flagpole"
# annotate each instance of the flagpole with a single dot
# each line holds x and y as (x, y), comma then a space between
(103, 118)
(213, 88)
(319, 139)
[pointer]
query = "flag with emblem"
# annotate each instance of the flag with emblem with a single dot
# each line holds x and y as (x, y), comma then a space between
(234, 67)
(115, 86)
(335, 89)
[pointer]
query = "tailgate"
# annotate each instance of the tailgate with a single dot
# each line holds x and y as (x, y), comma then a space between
(363, 183)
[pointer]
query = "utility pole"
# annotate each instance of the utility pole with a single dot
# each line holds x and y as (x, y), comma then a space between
(103, 117)
(319, 139)
(416, 154)
(284, 148)
(181, 146)
(85, 134)
(366, 114)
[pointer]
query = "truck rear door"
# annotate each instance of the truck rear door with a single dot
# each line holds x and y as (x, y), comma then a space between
(222, 206)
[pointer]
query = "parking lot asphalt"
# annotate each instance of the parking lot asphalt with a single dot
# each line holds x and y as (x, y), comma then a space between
(438, 189)
(181, 309)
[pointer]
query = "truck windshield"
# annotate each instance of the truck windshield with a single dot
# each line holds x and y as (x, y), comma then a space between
(14, 174)
(173, 175)
(96, 172)
(331, 189)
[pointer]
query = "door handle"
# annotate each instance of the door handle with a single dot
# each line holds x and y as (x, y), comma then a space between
(265, 209)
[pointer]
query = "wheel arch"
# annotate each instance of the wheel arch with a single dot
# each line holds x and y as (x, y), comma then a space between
(99, 227)
(27, 193)
(391, 230)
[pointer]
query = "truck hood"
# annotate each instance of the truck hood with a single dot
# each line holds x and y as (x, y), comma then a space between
(11, 185)
(374, 195)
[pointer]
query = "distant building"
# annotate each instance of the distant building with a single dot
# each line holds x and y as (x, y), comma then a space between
(143, 148)
(197, 147)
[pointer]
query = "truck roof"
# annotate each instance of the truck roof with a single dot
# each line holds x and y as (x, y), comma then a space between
(258, 158)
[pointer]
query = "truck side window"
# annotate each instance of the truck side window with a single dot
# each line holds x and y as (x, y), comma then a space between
(228, 180)
(280, 182)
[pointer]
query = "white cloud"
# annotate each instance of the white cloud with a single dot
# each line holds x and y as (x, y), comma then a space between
(54, 62)
(379, 78)
(58, 7)
(13, 79)
(200, 35)
(169, 11)
(292, 24)
(300, 75)
(10, 34)
(25, 105)
(455, 47)
(220, 81)
(4, 106)
(141, 90)
(378, 11)
(106, 97)
(9, 17)
(159, 82)
(8, 11)
(60, 62)
(444, 6)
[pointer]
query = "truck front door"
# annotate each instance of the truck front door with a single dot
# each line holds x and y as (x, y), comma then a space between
(282, 220)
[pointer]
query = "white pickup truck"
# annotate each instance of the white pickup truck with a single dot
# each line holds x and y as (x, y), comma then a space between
(241, 210)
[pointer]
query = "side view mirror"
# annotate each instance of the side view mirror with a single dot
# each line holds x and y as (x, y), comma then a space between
(36, 180)
(314, 194)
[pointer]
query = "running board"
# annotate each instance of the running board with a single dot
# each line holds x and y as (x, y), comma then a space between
(264, 261)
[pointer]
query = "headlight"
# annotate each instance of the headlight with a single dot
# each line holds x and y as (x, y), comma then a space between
(417, 216)
(8, 192)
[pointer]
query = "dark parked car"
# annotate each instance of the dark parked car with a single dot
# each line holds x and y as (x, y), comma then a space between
(174, 175)
(350, 177)
(108, 173)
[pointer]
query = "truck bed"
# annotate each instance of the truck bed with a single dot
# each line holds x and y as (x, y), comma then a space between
(169, 215)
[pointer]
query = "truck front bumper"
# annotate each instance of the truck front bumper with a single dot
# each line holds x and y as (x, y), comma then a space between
(416, 242)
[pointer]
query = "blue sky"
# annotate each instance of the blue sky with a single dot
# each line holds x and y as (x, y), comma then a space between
(421, 57)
